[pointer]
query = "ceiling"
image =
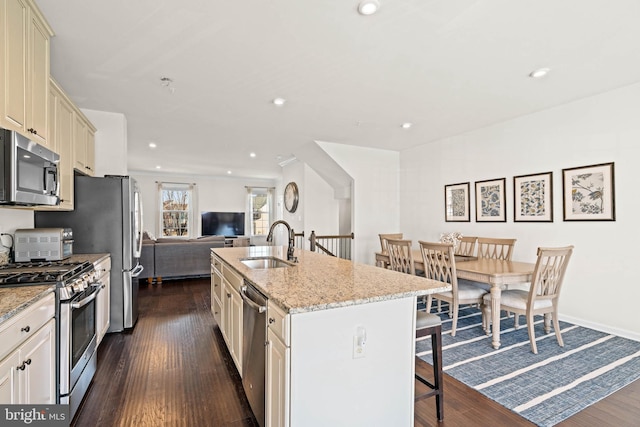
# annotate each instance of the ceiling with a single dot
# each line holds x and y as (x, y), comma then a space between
(446, 66)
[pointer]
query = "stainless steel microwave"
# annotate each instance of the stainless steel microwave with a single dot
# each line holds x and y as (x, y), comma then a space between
(29, 174)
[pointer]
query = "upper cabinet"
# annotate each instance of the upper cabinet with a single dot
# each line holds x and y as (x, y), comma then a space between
(62, 120)
(24, 74)
(84, 145)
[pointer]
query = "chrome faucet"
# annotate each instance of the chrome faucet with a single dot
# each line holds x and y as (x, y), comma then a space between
(292, 236)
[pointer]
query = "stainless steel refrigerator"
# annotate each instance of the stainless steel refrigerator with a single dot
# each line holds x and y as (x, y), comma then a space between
(107, 217)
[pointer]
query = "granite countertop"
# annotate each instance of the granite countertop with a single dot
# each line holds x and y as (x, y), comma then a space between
(92, 258)
(320, 282)
(14, 300)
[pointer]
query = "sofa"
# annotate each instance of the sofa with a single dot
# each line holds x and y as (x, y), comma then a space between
(173, 258)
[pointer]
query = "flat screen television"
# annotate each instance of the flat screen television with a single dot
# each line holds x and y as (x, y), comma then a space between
(228, 224)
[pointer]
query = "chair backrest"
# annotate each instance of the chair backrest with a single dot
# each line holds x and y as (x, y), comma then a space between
(439, 262)
(400, 256)
(495, 248)
(385, 237)
(548, 274)
(467, 246)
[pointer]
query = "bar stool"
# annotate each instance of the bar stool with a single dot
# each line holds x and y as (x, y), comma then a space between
(430, 324)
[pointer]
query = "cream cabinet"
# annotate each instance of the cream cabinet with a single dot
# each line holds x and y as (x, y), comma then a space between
(227, 307)
(216, 291)
(27, 358)
(83, 145)
(103, 300)
(24, 75)
(62, 119)
(278, 367)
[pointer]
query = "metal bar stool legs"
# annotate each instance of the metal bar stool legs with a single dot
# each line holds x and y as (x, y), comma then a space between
(430, 324)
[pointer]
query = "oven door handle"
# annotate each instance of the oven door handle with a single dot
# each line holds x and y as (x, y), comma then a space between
(87, 299)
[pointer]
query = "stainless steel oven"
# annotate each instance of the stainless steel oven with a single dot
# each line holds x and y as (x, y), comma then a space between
(78, 343)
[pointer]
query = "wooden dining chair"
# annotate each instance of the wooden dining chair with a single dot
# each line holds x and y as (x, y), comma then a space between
(440, 264)
(542, 296)
(467, 246)
(385, 237)
(400, 256)
(495, 248)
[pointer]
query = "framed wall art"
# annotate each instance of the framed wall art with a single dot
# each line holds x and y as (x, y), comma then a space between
(490, 201)
(533, 198)
(456, 202)
(588, 193)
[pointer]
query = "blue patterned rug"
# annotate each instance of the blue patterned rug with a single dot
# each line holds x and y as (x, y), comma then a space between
(544, 388)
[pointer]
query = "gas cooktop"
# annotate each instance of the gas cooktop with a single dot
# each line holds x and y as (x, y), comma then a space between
(41, 273)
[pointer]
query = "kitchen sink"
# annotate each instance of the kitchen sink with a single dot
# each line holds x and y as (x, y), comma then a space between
(261, 262)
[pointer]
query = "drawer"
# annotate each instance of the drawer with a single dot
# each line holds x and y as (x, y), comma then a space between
(278, 322)
(232, 278)
(22, 326)
(216, 264)
(103, 266)
(216, 284)
(216, 309)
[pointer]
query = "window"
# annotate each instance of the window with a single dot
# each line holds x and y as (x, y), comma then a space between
(260, 208)
(176, 209)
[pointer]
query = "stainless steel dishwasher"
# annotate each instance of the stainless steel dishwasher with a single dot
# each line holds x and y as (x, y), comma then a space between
(254, 322)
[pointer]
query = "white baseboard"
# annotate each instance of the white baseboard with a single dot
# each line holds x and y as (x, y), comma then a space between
(600, 327)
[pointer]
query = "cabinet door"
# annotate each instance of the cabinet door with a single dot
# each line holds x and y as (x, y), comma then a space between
(9, 379)
(38, 82)
(13, 72)
(90, 153)
(79, 144)
(277, 382)
(103, 303)
(236, 329)
(38, 379)
(64, 144)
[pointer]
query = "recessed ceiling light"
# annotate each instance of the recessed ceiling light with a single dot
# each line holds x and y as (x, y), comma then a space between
(368, 7)
(406, 125)
(539, 73)
(228, 172)
(152, 145)
(279, 101)
(252, 154)
(158, 167)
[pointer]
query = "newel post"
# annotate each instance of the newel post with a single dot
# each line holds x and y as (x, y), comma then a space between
(312, 239)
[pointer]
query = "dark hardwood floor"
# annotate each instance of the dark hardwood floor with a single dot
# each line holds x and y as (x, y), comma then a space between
(173, 369)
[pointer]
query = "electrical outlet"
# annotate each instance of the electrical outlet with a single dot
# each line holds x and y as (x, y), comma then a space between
(360, 343)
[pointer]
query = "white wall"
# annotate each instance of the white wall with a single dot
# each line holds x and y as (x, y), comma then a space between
(601, 289)
(219, 194)
(110, 142)
(375, 197)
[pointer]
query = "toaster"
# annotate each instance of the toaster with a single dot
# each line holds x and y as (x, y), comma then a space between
(43, 244)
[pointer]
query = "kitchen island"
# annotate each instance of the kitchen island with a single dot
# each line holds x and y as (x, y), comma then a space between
(340, 338)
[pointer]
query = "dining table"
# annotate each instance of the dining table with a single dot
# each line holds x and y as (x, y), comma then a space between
(498, 274)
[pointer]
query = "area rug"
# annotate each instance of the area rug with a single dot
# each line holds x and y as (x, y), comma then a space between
(544, 388)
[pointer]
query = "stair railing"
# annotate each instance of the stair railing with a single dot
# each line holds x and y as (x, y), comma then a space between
(332, 245)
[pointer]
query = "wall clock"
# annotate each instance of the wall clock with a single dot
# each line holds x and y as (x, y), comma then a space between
(291, 197)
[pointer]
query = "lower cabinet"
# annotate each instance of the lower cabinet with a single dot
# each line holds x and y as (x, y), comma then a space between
(27, 372)
(232, 312)
(226, 307)
(277, 381)
(103, 300)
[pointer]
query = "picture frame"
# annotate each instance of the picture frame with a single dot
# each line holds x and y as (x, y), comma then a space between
(588, 193)
(533, 197)
(490, 200)
(457, 202)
